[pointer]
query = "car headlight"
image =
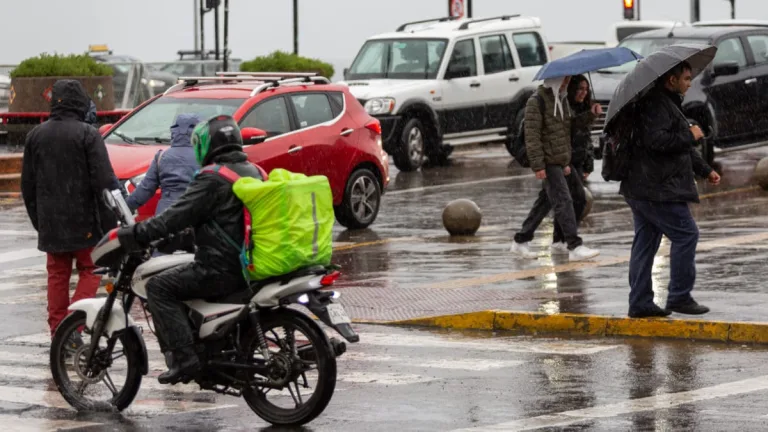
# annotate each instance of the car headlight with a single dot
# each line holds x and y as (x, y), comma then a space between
(135, 181)
(380, 106)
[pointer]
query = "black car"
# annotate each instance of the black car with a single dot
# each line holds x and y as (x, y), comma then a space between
(729, 99)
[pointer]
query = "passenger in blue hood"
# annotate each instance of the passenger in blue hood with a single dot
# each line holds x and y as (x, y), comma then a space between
(171, 170)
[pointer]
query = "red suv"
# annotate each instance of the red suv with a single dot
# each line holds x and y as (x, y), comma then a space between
(299, 122)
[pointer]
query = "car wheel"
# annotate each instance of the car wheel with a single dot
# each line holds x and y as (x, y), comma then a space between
(362, 198)
(409, 154)
(512, 134)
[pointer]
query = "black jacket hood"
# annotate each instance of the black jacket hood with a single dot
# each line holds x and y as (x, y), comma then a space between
(69, 100)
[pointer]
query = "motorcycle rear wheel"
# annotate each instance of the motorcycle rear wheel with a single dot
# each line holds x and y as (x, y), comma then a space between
(60, 365)
(322, 355)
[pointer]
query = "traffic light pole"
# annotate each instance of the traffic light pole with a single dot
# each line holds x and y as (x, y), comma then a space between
(695, 11)
(296, 27)
(226, 35)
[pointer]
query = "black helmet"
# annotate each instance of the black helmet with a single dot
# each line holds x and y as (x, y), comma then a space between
(220, 134)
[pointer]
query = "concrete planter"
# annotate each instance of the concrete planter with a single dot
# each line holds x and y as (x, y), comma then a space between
(33, 94)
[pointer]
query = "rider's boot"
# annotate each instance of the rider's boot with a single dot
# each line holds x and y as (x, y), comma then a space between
(181, 363)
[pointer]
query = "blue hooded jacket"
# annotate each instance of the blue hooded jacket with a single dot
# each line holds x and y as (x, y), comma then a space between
(171, 170)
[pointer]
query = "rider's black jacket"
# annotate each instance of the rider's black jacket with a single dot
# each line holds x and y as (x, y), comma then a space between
(209, 197)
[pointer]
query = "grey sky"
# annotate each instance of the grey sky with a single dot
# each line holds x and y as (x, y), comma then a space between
(332, 30)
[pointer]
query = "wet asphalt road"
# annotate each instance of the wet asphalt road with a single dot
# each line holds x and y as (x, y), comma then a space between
(407, 266)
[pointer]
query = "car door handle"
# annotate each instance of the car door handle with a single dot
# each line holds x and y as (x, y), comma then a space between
(475, 84)
(346, 132)
(750, 81)
(294, 149)
(514, 78)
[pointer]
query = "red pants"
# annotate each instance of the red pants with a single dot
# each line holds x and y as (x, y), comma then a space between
(59, 272)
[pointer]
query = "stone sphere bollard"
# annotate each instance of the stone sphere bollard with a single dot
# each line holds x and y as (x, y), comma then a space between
(462, 217)
(761, 173)
(588, 206)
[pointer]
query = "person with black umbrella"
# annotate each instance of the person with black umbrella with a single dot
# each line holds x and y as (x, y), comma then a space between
(659, 186)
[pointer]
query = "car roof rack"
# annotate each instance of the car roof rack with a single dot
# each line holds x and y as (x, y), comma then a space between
(466, 24)
(444, 19)
(269, 80)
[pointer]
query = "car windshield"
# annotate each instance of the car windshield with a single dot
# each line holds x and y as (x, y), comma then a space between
(646, 47)
(398, 59)
(152, 124)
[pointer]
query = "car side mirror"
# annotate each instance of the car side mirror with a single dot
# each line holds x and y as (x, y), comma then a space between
(458, 71)
(725, 69)
(105, 128)
(253, 135)
(346, 72)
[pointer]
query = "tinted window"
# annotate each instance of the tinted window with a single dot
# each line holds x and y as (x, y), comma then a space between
(312, 109)
(270, 116)
(759, 45)
(496, 54)
(530, 49)
(730, 50)
(464, 55)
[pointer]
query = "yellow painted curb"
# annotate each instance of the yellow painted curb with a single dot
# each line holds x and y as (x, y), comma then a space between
(595, 325)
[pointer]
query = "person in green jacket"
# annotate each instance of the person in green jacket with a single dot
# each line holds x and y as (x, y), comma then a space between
(548, 144)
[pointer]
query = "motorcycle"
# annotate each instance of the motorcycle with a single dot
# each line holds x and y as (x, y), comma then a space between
(251, 345)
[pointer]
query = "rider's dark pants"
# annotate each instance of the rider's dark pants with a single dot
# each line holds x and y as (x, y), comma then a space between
(167, 291)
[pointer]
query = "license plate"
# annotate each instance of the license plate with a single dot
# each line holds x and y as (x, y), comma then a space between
(337, 314)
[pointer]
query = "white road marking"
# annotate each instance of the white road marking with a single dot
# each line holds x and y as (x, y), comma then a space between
(52, 399)
(658, 402)
(42, 358)
(13, 423)
(454, 185)
(490, 344)
(39, 283)
(35, 270)
(476, 365)
(19, 233)
(383, 378)
(20, 254)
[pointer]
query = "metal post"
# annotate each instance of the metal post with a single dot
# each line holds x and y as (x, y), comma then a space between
(733, 9)
(202, 28)
(296, 27)
(637, 10)
(469, 8)
(196, 8)
(226, 35)
(695, 11)
(216, 29)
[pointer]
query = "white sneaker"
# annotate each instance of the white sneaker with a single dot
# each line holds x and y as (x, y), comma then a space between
(582, 253)
(560, 247)
(522, 250)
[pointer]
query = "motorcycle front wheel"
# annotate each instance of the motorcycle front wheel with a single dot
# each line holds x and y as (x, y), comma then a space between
(112, 381)
(300, 353)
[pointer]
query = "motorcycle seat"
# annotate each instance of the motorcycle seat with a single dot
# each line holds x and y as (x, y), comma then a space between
(284, 279)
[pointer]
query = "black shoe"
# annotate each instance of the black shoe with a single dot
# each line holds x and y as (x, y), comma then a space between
(689, 308)
(184, 364)
(649, 312)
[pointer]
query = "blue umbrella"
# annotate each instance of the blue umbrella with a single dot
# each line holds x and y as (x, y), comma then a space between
(586, 61)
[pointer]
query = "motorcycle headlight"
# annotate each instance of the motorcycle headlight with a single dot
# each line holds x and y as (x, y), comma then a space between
(380, 106)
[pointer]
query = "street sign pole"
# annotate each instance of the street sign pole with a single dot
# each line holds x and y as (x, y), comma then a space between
(296, 27)
(226, 35)
(695, 11)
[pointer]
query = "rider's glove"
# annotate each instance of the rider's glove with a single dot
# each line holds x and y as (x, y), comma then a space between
(128, 240)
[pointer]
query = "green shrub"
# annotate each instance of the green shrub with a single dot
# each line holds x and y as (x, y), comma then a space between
(280, 61)
(57, 65)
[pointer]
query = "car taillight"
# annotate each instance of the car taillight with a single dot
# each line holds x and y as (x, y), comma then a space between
(328, 280)
(374, 126)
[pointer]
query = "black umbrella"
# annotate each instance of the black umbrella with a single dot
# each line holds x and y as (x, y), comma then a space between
(642, 78)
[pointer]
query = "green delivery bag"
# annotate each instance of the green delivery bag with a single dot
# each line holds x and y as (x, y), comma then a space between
(289, 221)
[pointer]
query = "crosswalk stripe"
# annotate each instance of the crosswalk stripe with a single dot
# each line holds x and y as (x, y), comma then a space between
(52, 399)
(470, 364)
(18, 255)
(13, 423)
(42, 359)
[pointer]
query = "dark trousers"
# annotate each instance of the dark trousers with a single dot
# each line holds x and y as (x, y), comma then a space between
(652, 220)
(167, 291)
(566, 195)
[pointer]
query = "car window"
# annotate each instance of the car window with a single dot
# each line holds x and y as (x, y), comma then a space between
(625, 32)
(337, 102)
(759, 45)
(312, 109)
(730, 50)
(464, 55)
(398, 59)
(530, 48)
(496, 54)
(270, 116)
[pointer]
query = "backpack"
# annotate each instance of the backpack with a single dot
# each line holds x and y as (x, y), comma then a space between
(517, 145)
(288, 221)
(617, 149)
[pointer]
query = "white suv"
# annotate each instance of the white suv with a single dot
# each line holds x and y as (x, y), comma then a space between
(428, 101)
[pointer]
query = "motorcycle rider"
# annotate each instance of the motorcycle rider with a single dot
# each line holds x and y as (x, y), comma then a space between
(216, 270)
